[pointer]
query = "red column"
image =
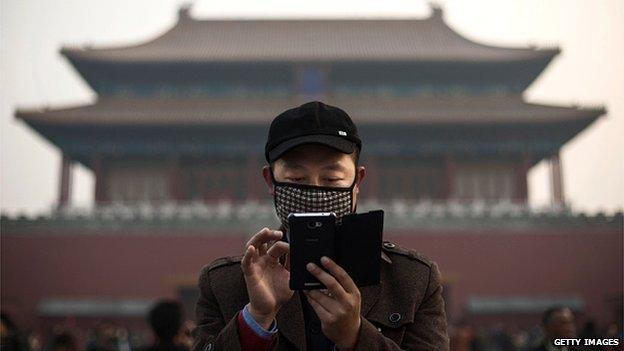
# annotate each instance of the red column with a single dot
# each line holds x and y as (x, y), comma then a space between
(175, 179)
(65, 181)
(450, 170)
(251, 177)
(521, 178)
(558, 198)
(97, 165)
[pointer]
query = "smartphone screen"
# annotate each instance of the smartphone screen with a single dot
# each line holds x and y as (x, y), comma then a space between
(311, 237)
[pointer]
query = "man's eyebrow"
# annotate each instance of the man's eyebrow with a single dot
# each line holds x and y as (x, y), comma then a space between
(335, 167)
(292, 165)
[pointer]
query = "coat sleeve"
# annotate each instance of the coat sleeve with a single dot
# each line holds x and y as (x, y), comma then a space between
(212, 331)
(428, 331)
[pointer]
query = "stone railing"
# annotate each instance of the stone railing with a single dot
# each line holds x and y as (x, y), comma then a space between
(218, 217)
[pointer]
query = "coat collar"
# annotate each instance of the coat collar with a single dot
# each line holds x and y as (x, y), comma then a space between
(290, 320)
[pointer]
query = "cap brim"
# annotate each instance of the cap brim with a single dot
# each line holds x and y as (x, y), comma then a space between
(336, 142)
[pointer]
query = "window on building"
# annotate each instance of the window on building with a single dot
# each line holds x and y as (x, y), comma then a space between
(140, 182)
(217, 180)
(409, 183)
(487, 182)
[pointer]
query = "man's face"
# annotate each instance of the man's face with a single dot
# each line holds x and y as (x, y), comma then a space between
(318, 165)
(561, 325)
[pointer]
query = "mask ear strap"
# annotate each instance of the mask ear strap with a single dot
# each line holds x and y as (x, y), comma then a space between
(272, 175)
(353, 187)
(356, 177)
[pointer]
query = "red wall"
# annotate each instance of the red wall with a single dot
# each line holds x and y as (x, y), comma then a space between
(584, 263)
(103, 266)
(588, 264)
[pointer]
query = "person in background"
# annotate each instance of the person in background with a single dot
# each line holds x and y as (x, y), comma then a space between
(589, 331)
(166, 319)
(464, 337)
(613, 332)
(64, 341)
(557, 323)
(10, 337)
(102, 338)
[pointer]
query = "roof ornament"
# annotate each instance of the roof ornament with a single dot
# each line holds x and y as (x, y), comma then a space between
(184, 12)
(436, 9)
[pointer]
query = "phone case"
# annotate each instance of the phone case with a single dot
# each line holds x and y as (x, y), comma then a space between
(358, 246)
(311, 237)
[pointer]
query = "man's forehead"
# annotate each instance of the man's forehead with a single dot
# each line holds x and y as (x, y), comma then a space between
(337, 165)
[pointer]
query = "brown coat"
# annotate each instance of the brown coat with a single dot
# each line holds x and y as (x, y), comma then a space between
(404, 312)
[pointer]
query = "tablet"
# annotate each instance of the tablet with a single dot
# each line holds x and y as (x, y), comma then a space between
(358, 246)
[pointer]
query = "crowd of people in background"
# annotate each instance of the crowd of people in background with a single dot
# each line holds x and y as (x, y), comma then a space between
(557, 322)
(172, 331)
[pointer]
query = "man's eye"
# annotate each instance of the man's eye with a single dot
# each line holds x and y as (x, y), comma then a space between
(334, 179)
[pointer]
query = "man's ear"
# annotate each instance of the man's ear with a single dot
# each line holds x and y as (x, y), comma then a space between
(266, 174)
(360, 173)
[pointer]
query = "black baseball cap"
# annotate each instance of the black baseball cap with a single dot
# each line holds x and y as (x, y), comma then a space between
(312, 122)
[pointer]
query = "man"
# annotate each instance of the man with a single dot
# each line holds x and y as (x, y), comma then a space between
(558, 323)
(245, 302)
(11, 338)
(64, 341)
(166, 318)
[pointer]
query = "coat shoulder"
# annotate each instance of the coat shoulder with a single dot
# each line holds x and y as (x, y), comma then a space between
(224, 262)
(222, 286)
(220, 265)
(394, 250)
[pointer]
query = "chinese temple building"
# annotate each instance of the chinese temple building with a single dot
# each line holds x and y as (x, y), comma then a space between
(176, 137)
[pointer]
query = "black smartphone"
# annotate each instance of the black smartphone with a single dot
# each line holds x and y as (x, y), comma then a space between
(358, 240)
(311, 237)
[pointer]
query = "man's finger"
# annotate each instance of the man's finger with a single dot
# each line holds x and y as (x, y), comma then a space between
(327, 302)
(264, 247)
(247, 261)
(263, 236)
(278, 249)
(330, 282)
(256, 255)
(340, 274)
(321, 312)
(287, 262)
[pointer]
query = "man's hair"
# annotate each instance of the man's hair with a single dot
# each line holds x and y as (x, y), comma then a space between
(165, 318)
(549, 313)
(355, 155)
(64, 340)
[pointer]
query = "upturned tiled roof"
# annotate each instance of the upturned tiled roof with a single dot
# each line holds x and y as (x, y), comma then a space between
(300, 40)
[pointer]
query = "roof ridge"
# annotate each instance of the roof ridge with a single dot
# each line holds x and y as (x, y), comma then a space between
(288, 39)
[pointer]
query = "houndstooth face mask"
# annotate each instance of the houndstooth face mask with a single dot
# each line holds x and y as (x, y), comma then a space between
(301, 198)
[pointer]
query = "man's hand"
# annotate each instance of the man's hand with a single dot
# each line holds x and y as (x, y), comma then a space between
(339, 311)
(266, 278)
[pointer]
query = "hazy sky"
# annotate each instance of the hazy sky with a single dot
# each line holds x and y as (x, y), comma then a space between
(588, 72)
